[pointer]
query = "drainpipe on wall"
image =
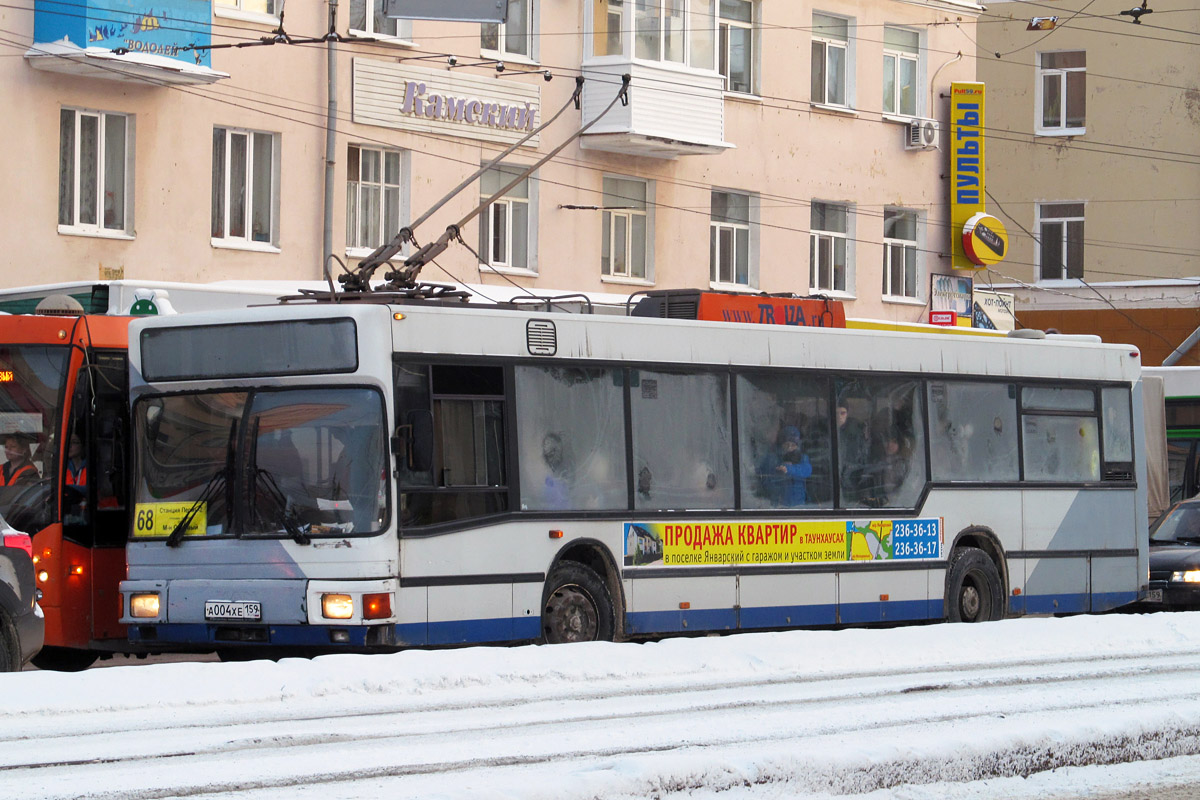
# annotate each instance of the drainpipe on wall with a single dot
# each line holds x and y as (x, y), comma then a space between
(330, 143)
(1181, 351)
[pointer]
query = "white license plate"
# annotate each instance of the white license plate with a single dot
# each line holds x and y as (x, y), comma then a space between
(1154, 596)
(237, 609)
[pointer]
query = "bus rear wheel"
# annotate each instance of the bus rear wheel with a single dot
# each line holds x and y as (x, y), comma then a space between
(577, 606)
(974, 592)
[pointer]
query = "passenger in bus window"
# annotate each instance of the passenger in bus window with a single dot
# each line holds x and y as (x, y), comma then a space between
(558, 489)
(883, 479)
(852, 449)
(784, 472)
(19, 468)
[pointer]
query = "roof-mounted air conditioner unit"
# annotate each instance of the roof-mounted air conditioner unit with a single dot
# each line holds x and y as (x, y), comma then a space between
(921, 134)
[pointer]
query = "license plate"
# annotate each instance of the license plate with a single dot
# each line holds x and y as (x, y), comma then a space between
(1154, 596)
(237, 609)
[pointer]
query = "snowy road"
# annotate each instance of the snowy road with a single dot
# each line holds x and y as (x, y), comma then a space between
(1022, 708)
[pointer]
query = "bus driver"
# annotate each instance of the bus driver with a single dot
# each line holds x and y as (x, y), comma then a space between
(19, 468)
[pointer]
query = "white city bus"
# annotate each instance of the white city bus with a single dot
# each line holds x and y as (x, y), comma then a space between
(366, 476)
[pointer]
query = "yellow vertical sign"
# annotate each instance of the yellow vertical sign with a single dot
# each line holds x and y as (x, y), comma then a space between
(966, 163)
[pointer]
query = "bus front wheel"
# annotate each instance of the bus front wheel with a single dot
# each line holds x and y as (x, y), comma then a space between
(974, 592)
(577, 606)
(10, 648)
(65, 659)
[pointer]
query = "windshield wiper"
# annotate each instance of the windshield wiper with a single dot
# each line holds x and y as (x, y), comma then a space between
(215, 483)
(264, 479)
(219, 480)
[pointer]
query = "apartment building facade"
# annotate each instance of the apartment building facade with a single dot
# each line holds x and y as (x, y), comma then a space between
(1094, 167)
(762, 145)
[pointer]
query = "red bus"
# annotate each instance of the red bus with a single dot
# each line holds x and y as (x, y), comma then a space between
(63, 411)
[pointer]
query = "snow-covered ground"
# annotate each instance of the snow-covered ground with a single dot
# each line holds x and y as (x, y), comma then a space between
(1047, 708)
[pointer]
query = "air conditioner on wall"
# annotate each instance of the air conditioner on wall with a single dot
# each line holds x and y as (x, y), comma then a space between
(921, 134)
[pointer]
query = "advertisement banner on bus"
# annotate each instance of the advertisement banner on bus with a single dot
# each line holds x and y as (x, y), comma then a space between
(703, 543)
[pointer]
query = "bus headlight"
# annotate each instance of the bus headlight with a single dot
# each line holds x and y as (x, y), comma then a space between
(143, 605)
(1190, 576)
(337, 606)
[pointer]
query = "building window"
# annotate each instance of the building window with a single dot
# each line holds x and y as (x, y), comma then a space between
(678, 31)
(901, 51)
(736, 50)
(251, 6)
(729, 239)
(1062, 86)
(95, 158)
(369, 18)
(608, 24)
(1060, 232)
(505, 227)
(245, 189)
(899, 252)
(828, 249)
(373, 196)
(830, 60)
(514, 37)
(625, 228)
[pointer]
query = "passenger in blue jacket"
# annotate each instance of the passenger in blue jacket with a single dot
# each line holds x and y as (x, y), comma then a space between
(785, 474)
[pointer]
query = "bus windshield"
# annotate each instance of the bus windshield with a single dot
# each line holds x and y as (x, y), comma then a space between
(298, 463)
(31, 382)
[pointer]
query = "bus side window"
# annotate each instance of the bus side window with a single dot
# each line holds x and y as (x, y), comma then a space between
(973, 431)
(893, 475)
(452, 417)
(571, 438)
(682, 440)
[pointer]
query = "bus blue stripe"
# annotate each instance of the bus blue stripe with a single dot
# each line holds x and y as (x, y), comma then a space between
(642, 623)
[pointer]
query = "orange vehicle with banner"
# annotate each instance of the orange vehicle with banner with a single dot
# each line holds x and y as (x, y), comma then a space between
(63, 410)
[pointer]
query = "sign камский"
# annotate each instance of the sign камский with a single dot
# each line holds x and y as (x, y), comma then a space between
(469, 106)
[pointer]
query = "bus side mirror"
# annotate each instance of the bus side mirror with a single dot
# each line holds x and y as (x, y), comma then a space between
(153, 417)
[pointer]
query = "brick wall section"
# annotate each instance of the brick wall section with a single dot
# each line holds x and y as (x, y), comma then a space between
(1153, 331)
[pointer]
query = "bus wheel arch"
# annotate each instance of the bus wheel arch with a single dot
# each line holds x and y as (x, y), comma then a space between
(582, 598)
(976, 578)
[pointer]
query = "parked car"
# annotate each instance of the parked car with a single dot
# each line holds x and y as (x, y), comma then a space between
(22, 627)
(1175, 558)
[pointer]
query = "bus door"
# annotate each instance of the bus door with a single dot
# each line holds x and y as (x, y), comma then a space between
(94, 512)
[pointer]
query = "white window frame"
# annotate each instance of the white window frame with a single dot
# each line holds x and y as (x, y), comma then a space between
(531, 28)
(98, 228)
(717, 271)
(917, 61)
(699, 32)
(355, 185)
(847, 46)
(236, 9)
(1042, 223)
(895, 247)
(248, 242)
(1060, 74)
(403, 27)
(609, 221)
(817, 238)
(503, 209)
(724, 24)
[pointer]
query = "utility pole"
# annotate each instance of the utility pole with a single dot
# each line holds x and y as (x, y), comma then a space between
(330, 141)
